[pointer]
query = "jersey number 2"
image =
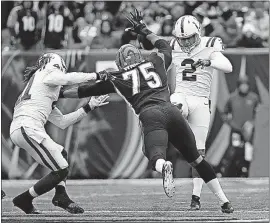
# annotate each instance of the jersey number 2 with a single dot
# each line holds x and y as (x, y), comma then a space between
(188, 72)
(151, 77)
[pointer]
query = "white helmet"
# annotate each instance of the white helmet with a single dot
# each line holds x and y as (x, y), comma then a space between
(54, 59)
(187, 31)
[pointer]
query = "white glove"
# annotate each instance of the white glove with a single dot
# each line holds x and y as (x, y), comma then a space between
(96, 101)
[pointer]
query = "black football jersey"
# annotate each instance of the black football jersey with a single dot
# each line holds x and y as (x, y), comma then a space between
(27, 20)
(56, 22)
(143, 84)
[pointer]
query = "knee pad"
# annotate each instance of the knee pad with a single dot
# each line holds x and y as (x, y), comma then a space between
(65, 154)
(180, 101)
(61, 174)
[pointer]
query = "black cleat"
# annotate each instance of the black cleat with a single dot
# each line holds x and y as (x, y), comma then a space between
(227, 208)
(168, 181)
(25, 205)
(63, 201)
(195, 203)
(3, 194)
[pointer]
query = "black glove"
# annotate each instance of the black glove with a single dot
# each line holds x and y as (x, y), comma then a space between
(137, 25)
(102, 75)
(200, 62)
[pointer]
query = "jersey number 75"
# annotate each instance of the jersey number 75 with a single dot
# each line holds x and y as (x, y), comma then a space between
(152, 79)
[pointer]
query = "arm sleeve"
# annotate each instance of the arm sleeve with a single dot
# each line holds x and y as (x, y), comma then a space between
(165, 51)
(57, 77)
(220, 62)
(63, 121)
(100, 88)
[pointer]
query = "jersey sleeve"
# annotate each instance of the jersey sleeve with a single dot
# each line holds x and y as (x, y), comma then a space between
(165, 51)
(100, 88)
(218, 44)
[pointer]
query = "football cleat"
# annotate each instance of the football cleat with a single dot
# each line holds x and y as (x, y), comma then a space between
(195, 203)
(25, 205)
(63, 201)
(227, 208)
(168, 181)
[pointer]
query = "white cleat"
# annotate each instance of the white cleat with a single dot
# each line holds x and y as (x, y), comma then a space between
(168, 181)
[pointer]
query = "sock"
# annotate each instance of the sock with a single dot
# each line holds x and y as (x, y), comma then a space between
(50, 181)
(215, 187)
(26, 195)
(62, 183)
(33, 192)
(159, 165)
(59, 189)
(197, 186)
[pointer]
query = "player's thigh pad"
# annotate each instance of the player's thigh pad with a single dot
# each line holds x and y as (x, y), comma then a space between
(47, 153)
(199, 119)
(179, 99)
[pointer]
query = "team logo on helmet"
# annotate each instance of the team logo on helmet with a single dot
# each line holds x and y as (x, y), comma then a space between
(128, 55)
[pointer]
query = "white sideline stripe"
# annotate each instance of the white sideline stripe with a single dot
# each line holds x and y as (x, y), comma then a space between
(151, 212)
(252, 181)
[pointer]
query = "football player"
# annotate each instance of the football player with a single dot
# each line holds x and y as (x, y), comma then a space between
(193, 64)
(34, 107)
(142, 82)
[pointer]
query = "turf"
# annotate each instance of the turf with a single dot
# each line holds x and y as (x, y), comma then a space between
(143, 201)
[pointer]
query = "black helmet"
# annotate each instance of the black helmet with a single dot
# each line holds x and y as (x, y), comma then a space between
(128, 55)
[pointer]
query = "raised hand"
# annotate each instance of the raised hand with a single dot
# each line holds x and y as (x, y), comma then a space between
(137, 24)
(98, 101)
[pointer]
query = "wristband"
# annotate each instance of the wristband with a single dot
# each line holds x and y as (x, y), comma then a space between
(87, 108)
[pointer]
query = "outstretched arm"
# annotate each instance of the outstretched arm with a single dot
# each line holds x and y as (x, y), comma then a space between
(86, 90)
(57, 78)
(164, 48)
(63, 121)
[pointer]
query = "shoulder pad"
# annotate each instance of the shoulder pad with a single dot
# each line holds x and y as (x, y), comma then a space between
(216, 43)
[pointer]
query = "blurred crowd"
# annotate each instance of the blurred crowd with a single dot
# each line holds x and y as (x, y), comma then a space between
(34, 25)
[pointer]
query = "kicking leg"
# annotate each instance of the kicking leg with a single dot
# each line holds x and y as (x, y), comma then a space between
(187, 146)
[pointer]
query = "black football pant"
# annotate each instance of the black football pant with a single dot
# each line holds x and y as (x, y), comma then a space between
(161, 124)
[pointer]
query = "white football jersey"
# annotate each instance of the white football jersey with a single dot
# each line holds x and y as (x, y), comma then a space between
(196, 82)
(36, 100)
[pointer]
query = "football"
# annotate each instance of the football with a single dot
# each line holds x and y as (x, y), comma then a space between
(144, 42)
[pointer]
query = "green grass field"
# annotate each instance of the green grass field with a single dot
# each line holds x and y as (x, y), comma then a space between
(143, 201)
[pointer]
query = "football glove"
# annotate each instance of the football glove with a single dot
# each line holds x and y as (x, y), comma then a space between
(202, 63)
(137, 25)
(102, 75)
(96, 101)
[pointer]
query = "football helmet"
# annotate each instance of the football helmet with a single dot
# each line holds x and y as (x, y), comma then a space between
(187, 31)
(53, 58)
(128, 55)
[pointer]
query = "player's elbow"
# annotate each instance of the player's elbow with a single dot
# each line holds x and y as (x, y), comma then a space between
(62, 125)
(229, 68)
